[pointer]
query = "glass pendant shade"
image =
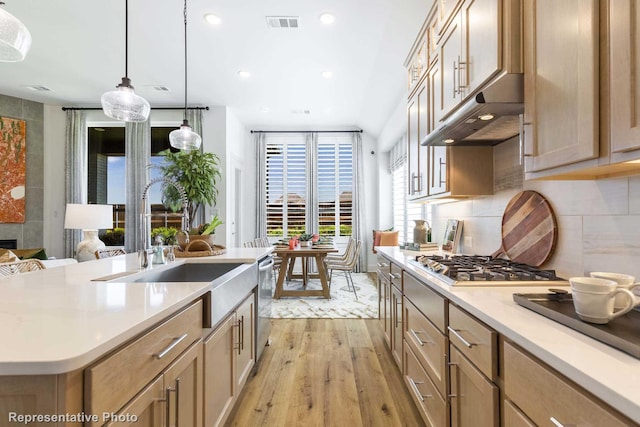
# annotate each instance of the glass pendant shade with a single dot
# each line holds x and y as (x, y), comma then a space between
(185, 138)
(123, 104)
(15, 39)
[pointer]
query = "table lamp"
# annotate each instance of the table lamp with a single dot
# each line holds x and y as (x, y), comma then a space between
(88, 218)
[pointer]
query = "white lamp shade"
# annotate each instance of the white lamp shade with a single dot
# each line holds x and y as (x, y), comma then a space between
(15, 38)
(123, 104)
(88, 217)
(184, 138)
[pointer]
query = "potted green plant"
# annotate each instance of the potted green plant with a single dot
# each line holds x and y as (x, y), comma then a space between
(205, 232)
(197, 172)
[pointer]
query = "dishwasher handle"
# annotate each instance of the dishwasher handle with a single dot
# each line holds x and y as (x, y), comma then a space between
(266, 264)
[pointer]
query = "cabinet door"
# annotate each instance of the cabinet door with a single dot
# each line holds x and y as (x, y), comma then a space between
(218, 374)
(481, 50)
(244, 340)
(561, 82)
(183, 388)
(387, 311)
(383, 288)
(145, 410)
(624, 94)
(413, 144)
(450, 55)
(396, 331)
(434, 80)
(474, 399)
(437, 170)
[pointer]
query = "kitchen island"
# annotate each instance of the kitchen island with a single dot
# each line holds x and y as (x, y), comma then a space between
(84, 326)
(609, 374)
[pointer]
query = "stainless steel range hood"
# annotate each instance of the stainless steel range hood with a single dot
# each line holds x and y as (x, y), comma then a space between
(502, 99)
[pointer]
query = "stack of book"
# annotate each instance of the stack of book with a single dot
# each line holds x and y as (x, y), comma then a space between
(420, 246)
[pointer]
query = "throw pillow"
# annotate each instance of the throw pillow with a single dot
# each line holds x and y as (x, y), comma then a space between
(7, 256)
(377, 235)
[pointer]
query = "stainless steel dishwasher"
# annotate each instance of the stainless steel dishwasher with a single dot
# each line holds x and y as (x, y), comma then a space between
(265, 297)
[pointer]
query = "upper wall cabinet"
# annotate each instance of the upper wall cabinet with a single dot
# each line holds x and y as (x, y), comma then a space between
(624, 18)
(582, 102)
(561, 82)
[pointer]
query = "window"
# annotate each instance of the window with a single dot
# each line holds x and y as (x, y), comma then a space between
(404, 212)
(106, 168)
(289, 175)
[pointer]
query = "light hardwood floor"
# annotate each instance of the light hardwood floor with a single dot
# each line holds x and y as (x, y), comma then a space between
(325, 372)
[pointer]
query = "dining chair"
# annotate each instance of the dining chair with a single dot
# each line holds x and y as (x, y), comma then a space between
(347, 266)
(249, 244)
(109, 252)
(22, 266)
(343, 256)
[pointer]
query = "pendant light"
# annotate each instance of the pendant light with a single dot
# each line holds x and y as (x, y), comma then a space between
(15, 38)
(185, 138)
(123, 103)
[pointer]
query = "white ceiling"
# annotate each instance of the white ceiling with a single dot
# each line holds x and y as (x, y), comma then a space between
(78, 52)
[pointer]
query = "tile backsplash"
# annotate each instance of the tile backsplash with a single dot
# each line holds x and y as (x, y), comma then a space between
(598, 221)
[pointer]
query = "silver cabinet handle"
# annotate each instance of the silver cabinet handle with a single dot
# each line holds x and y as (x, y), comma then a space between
(461, 65)
(442, 182)
(416, 390)
(171, 346)
(382, 264)
(559, 424)
(455, 70)
(415, 335)
(398, 303)
(457, 334)
(167, 400)
(521, 125)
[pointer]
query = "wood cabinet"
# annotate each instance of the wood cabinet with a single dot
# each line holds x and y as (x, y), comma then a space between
(473, 370)
(561, 83)
(229, 356)
(417, 154)
(171, 351)
(474, 399)
(396, 330)
(460, 171)
(384, 297)
(147, 408)
(540, 394)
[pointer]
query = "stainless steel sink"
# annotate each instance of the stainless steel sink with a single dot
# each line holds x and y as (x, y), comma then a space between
(206, 272)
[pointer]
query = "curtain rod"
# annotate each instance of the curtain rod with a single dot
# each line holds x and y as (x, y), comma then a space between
(305, 131)
(153, 108)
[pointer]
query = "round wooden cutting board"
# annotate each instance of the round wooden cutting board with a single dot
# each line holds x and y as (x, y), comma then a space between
(529, 229)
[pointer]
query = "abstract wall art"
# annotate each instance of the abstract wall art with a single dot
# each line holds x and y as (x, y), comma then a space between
(13, 170)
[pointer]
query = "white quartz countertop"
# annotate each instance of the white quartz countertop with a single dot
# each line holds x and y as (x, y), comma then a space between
(608, 373)
(57, 320)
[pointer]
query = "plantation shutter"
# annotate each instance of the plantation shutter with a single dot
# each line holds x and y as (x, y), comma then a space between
(335, 186)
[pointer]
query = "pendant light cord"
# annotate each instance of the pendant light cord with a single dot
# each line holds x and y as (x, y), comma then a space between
(185, 59)
(126, 38)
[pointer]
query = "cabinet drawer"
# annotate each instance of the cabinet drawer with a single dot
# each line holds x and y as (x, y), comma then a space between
(513, 417)
(396, 276)
(542, 394)
(475, 340)
(383, 266)
(431, 304)
(111, 382)
(431, 406)
(429, 345)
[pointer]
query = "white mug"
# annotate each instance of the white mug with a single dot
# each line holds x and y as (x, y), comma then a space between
(623, 280)
(593, 299)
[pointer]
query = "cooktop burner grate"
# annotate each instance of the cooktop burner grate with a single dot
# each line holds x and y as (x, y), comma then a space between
(484, 268)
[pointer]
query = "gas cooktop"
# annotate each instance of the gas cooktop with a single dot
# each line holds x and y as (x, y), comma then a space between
(478, 270)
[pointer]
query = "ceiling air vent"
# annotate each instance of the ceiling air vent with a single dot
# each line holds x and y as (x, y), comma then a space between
(39, 88)
(300, 111)
(283, 21)
(161, 88)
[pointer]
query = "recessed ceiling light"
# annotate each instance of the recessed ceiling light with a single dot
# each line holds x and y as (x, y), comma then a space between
(212, 19)
(327, 18)
(244, 74)
(448, 141)
(486, 117)
(328, 110)
(327, 74)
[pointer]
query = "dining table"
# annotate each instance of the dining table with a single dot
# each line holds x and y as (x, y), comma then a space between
(305, 254)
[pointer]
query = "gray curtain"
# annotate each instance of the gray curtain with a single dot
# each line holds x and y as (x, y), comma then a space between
(137, 158)
(195, 120)
(261, 184)
(75, 171)
(311, 211)
(358, 231)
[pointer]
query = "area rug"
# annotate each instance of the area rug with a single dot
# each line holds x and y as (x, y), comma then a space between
(342, 305)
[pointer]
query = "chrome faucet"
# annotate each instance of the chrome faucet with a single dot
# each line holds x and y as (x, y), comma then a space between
(145, 231)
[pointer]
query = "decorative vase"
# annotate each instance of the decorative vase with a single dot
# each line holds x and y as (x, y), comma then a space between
(304, 243)
(420, 231)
